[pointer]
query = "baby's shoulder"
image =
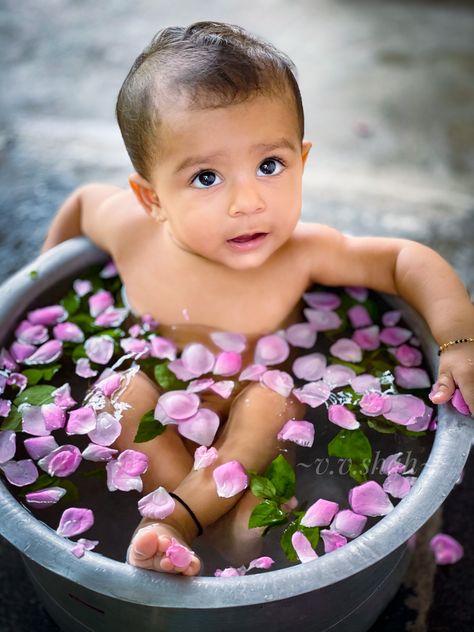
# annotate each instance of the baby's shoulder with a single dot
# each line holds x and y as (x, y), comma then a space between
(311, 234)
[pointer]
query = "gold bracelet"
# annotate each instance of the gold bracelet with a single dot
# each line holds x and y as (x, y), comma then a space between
(453, 342)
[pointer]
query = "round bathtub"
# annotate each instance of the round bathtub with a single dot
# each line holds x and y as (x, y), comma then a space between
(345, 590)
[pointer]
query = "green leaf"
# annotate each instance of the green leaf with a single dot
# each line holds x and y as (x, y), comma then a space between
(36, 395)
(380, 425)
(373, 309)
(267, 513)
(166, 378)
(149, 428)
(78, 353)
(283, 477)
(115, 333)
(98, 472)
(71, 303)
(36, 375)
(312, 533)
(357, 368)
(13, 421)
(84, 321)
(358, 471)
(350, 444)
(262, 487)
(33, 274)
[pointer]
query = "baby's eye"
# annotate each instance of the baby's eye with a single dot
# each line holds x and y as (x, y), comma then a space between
(270, 167)
(206, 179)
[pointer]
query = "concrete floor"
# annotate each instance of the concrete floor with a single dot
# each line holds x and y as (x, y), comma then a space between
(388, 88)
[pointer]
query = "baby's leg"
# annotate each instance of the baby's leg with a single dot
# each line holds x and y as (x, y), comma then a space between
(168, 463)
(250, 437)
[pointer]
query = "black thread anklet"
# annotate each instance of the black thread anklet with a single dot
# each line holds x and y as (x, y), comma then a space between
(191, 512)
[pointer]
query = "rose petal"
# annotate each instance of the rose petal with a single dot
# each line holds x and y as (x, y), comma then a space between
(300, 432)
(47, 315)
(261, 562)
(412, 378)
(62, 461)
(230, 479)
(278, 381)
(203, 457)
(303, 548)
(332, 540)
(374, 404)
(227, 363)
(7, 445)
(367, 337)
(99, 349)
(201, 427)
(421, 423)
(179, 404)
(68, 332)
(396, 485)
(156, 505)
(162, 348)
(391, 318)
(83, 368)
(272, 349)
(33, 335)
(357, 293)
(54, 416)
(133, 462)
(109, 384)
(394, 336)
(230, 572)
(81, 421)
(338, 375)
(446, 549)
(38, 447)
(348, 523)
(408, 356)
(6, 361)
(369, 499)
(197, 359)
(62, 397)
(320, 513)
(44, 498)
(108, 271)
(75, 520)
(179, 555)
(20, 473)
(47, 353)
(359, 316)
(342, 416)
(314, 394)
(112, 317)
(253, 372)
(404, 408)
(322, 320)
(228, 341)
(137, 347)
(5, 407)
(322, 300)
(365, 382)
(223, 388)
(301, 335)
(178, 368)
(99, 302)
(82, 287)
(118, 479)
(98, 453)
(33, 420)
(106, 430)
(347, 350)
(459, 403)
(392, 465)
(20, 351)
(201, 384)
(310, 367)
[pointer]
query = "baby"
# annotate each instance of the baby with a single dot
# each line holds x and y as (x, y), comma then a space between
(208, 239)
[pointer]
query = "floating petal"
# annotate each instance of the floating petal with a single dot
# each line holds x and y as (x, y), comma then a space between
(412, 377)
(392, 465)
(197, 359)
(227, 363)
(419, 424)
(109, 384)
(38, 447)
(62, 461)
(44, 498)
(201, 427)
(459, 403)
(82, 287)
(47, 353)
(179, 404)
(314, 394)
(75, 520)
(332, 540)
(446, 549)
(369, 499)
(100, 349)
(253, 372)
(342, 416)
(359, 316)
(179, 555)
(230, 479)
(108, 271)
(133, 462)
(68, 332)
(33, 335)
(54, 416)
(391, 318)
(163, 348)
(303, 548)
(112, 317)
(261, 562)
(278, 381)
(348, 523)
(322, 300)
(156, 505)
(347, 350)
(394, 336)
(7, 445)
(272, 349)
(320, 513)
(408, 356)
(81, 421)
(118, 479)
(106, 431)
(300, 432)
(99, 302)
(5, 407)
(33, 421)
(20, 351)
(84, 369)
(322, 320)
(178, 368)
(223, 388)
(367, 337)
(360, 294)
(301, 335)
(138, 347)
(310, 367)
(374, 404)
(201, 384)
(338, 375)
(203, 457)
(396, 485)
(20, 473)
(229, 341)
(17, 379)
(365, 382)
(404, 409)
(98, 453)
(47, 315)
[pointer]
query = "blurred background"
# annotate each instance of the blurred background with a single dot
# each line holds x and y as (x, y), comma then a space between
(388, 89)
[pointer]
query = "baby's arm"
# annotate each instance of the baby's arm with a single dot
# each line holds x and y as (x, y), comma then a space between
(421, 277)
(82, 214)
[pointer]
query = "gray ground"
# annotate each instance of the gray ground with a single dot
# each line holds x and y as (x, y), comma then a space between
(388, 88)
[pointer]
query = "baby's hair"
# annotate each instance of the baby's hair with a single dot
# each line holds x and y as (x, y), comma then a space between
(211, 64)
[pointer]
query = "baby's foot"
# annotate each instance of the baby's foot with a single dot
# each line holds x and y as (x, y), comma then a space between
(160, 547)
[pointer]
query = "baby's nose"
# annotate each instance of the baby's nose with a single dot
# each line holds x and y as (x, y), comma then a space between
(246, 199)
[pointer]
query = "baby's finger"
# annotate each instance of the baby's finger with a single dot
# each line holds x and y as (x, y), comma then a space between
(443, 389)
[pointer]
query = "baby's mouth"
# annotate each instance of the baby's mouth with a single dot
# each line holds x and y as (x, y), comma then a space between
(242, 239)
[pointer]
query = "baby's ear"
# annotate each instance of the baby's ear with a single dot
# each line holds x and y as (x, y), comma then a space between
(305, 147)
(146, 196)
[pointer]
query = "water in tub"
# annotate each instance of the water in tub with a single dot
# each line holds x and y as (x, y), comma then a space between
(349, 357)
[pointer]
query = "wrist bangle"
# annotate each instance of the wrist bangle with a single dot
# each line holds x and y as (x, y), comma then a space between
(453, 342)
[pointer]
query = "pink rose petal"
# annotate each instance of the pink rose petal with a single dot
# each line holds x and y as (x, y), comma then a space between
(75, 520)
(119, 479)
(179, 555)
(162, 348)
(359, 316)
(99, 349)
(230, 479)
(392, 465)
(223, 388)
(391, 318)
(394, 336)
(7, 445)
(314, 394)
(156, 505)
(201, 384)
(357, 293)
(412, 377)
(179, 404)
(459, 403)
(20, 351)
(139, 348)
(99, 302)
(310, 367)
(322, 320)
(133, 462)
(17, 379)
(374, 404)
(320, 513)
(272, 349)
(404, 409)
(365, 382)
(396, 485)
(342, 416)
(322, 300)
(348, 523)
(33, 420)
(44, 498)
(33, 335)
(421, 423)
(300, 432)
(98, 453)
(178, 368)
(367, 337)
(369, 499)
(230, 572)
(332, 540)
(253, 372)
(446, 549)
(68, 332)
(261, 562)
(5, 407)
(62, 397)
(278, 381)
(201, 427)
(83, 368)
(108, 271)
(106, 430)
(197, 359)
(109, 384)
(82, 287)
(301, 335)
(54, 416)
(229, 341)
(47, 315)
(303, 548)
(62, 461)
(347, 350)
(338, 375)
(81, 421)
(408, 356)
(47, 353)
(227, 363)
(112, 317)
(38, 447)
(203, 457)
(20, 473)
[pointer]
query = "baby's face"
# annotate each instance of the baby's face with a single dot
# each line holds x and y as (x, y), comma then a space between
(227, 174)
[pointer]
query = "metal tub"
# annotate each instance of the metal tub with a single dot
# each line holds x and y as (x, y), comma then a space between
(345, 590)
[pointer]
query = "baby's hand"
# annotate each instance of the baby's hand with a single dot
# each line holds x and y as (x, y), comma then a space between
(456, 370)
